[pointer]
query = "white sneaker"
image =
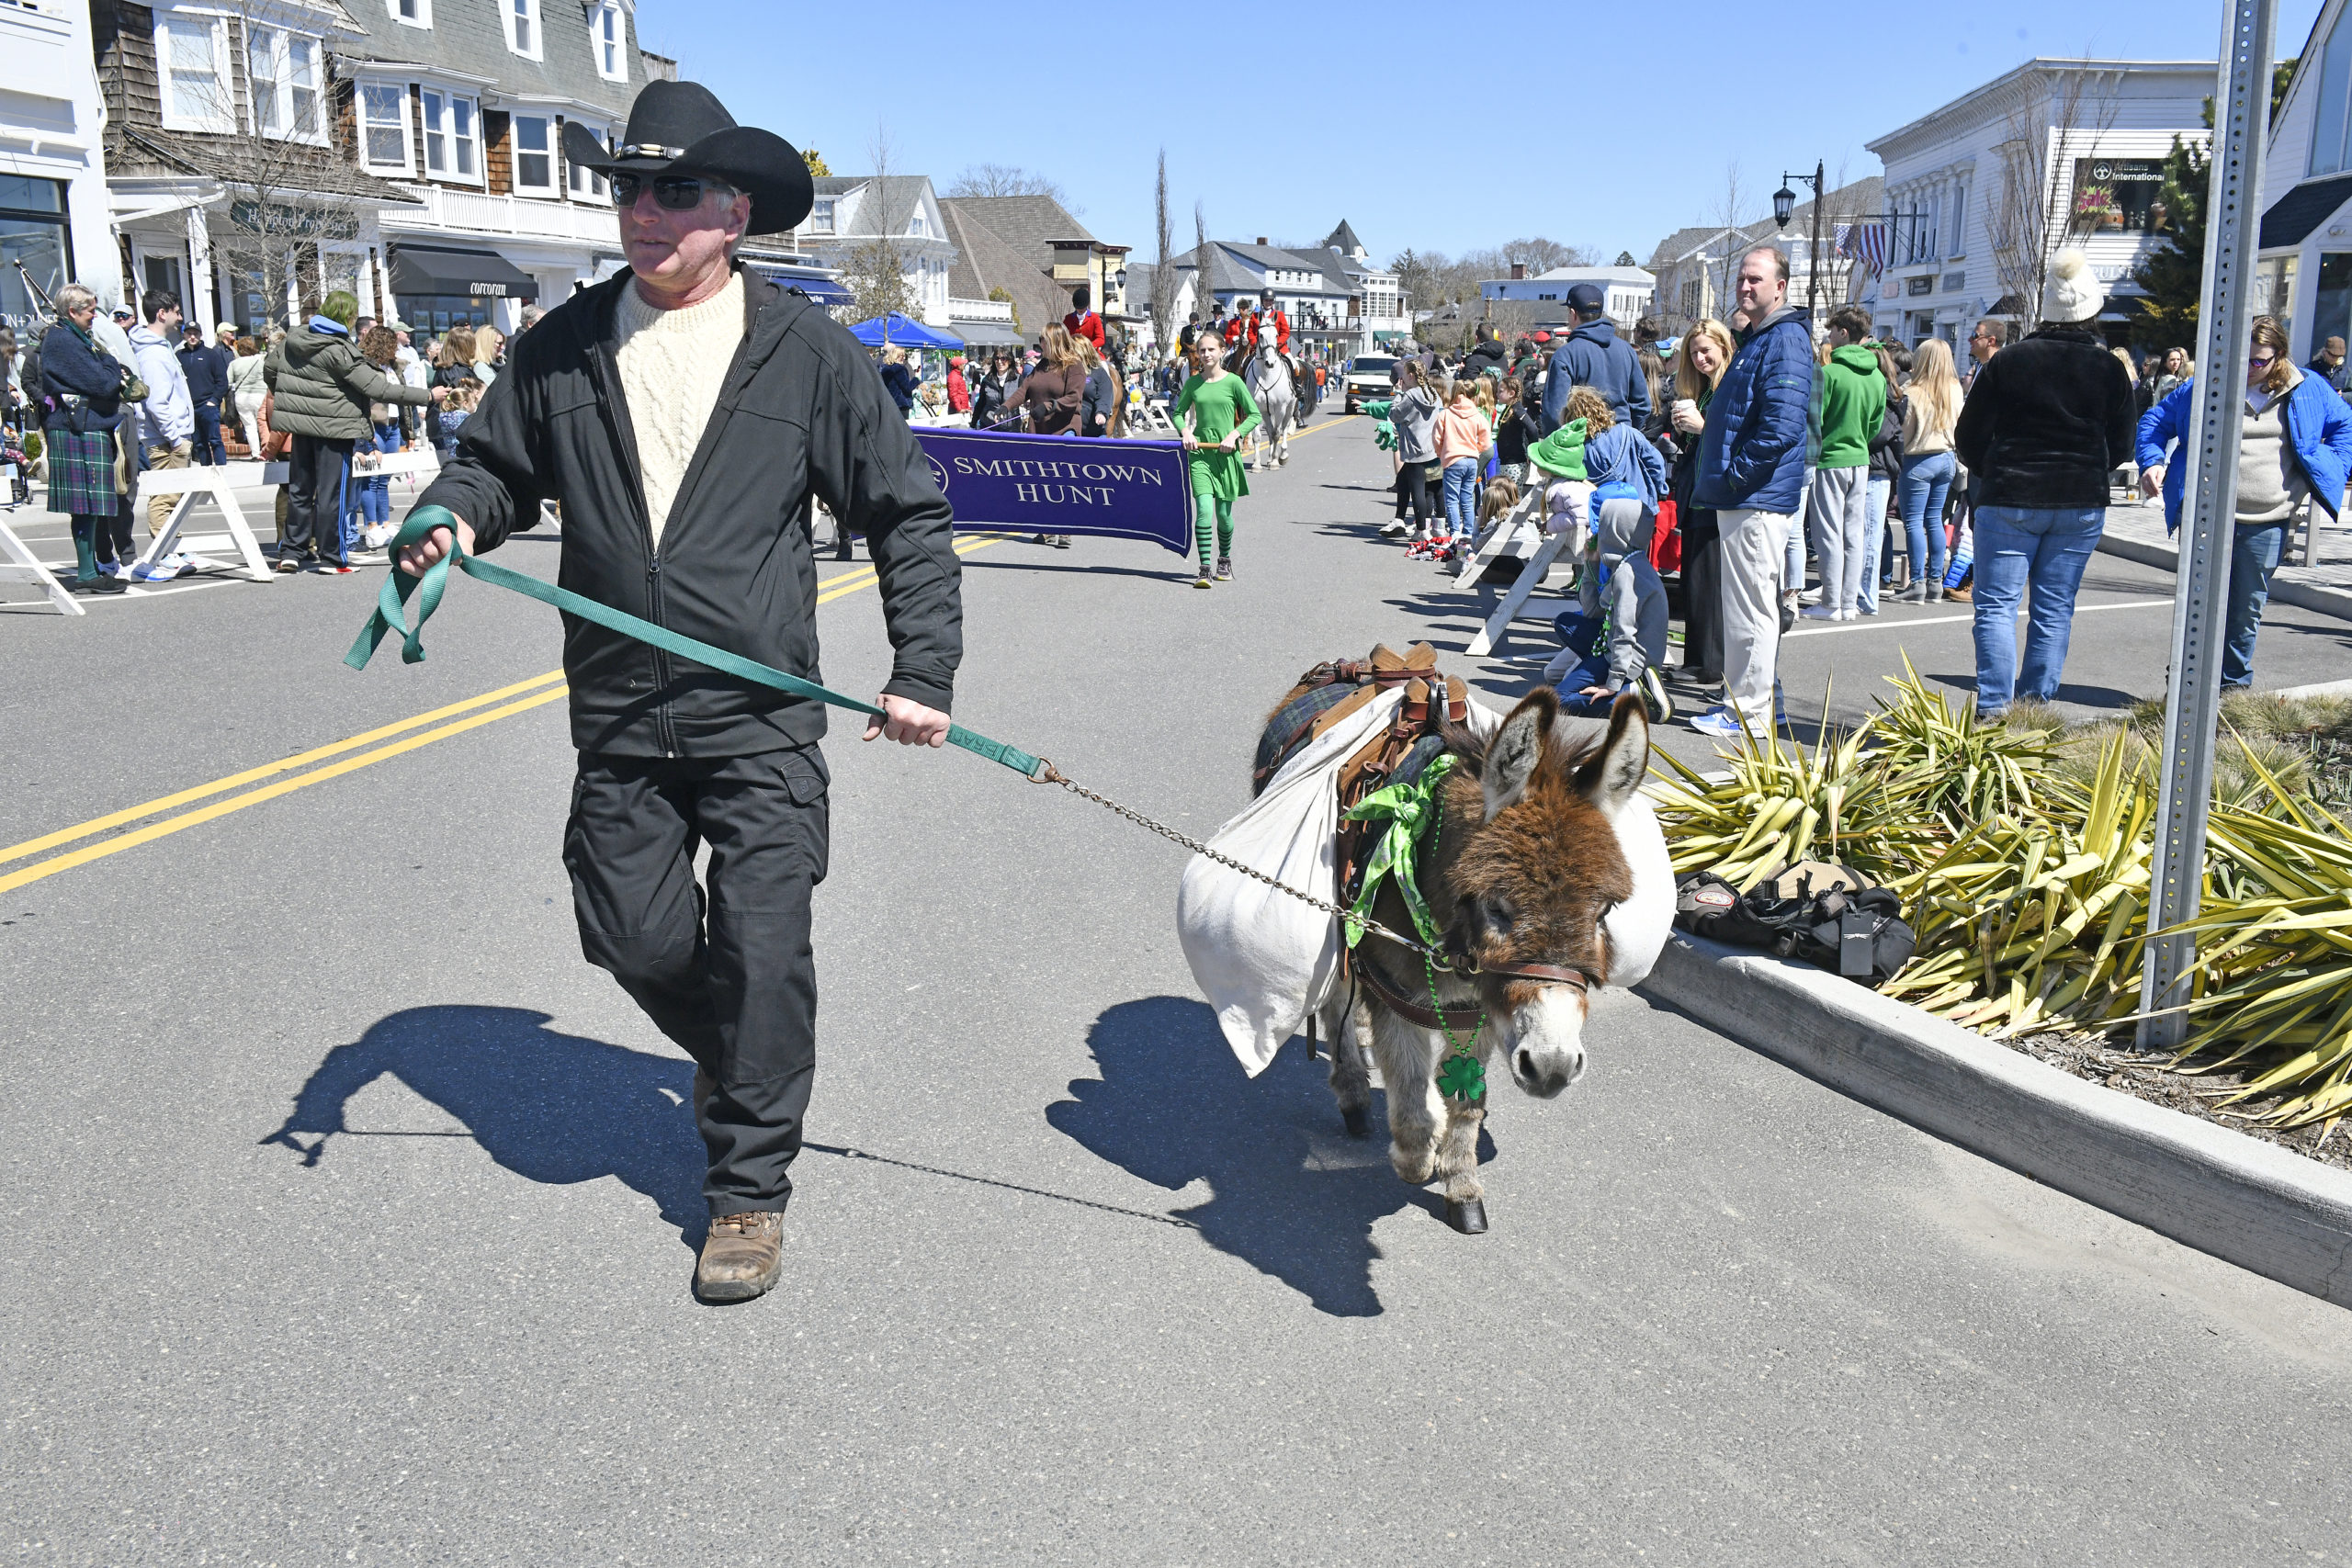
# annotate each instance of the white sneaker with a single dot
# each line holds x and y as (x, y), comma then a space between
(1817, 613)
(375, 535)
(1392, 530)
(1810, 596)
(113, 568)
(161, 570)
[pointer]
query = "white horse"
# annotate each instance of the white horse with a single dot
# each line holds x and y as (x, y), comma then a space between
(1269, 381)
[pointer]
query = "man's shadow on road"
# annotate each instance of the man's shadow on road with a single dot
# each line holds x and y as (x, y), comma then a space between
(553, 1106)
(1292, 1194)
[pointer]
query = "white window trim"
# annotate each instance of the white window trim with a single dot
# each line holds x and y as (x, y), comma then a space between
(537, 18)
(620, 40)
(553, 189)
(480, 178)
(224, 122)
(832, 206)
(281, 40)
(407, 165)
(424, 17)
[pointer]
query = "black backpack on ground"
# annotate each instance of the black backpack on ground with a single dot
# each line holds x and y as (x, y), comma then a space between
(1827, 914)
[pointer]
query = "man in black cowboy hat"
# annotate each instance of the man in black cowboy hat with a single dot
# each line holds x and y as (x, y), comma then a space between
(684, 413)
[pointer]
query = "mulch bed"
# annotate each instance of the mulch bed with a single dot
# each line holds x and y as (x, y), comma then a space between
(2102, 1060)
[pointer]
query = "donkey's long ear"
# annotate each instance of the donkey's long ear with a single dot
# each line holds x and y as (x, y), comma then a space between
(1516, 748)
(1616, 770)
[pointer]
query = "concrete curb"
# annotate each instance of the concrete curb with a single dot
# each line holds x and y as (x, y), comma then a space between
(2244, 1201)
(2302, 595)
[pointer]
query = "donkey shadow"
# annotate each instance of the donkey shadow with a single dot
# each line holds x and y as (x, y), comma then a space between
(553, 1106)
(1292, 1195)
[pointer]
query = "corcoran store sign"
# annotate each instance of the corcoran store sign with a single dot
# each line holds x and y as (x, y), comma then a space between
(487, 290)
(1060, 484)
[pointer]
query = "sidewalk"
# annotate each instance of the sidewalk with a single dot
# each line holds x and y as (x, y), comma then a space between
(2137, 533)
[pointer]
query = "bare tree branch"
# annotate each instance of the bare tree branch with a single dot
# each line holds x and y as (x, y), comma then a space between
(874, 272)
(1163, 276)
(2034, 211)
(1007, 179)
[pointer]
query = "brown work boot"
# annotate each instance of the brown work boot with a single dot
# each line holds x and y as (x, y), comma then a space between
(742, 1256)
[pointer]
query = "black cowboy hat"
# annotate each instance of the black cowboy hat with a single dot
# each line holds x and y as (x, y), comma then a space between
(679, 128)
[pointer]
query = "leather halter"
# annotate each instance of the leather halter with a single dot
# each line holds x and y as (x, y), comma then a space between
(1548, 973)
(1464, 1018)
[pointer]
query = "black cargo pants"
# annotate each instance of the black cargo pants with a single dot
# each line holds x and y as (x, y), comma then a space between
(726, 975)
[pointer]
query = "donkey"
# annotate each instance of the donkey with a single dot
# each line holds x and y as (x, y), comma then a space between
(1527, 865)
(1269, 380)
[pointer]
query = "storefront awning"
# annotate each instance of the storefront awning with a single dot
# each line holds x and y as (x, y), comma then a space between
(478, 275)
(988, 335)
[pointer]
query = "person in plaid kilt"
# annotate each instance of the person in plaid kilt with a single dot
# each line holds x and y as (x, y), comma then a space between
(81, 388)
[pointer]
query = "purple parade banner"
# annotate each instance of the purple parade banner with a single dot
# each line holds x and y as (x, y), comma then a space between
(1064, 484)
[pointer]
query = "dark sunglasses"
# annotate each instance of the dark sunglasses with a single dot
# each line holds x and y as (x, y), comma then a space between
(679, 193)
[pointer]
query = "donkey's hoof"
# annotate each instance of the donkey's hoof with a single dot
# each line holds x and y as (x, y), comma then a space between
(1469, 1218)
(1359, 1121)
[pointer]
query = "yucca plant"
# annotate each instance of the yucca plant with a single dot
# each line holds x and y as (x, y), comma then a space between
(1781, 803)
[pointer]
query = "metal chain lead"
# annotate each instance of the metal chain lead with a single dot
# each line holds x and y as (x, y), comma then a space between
(1053, 775)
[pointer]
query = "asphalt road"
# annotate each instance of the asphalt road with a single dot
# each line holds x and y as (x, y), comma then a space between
(1061, 1285)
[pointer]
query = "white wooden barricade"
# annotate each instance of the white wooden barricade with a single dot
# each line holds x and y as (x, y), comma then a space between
(22, 566)
(1524, 524)
(187, 484)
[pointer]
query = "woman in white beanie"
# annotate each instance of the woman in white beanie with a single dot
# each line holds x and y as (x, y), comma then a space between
(2046, 424)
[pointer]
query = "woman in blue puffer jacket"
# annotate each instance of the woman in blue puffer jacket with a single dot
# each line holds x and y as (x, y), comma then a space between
(2297, 442)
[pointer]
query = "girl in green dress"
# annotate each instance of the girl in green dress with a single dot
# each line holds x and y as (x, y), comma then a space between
(1223, 412)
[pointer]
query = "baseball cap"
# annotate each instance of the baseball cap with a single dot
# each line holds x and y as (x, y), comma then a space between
(1543, 337)
(1586, 297)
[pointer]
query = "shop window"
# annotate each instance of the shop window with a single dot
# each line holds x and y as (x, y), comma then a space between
(383, 126)
(2331, 300)
(2120, 195)
(608, 36)
(452, 135)
(436, 313)
(534, 155)
(33, 234)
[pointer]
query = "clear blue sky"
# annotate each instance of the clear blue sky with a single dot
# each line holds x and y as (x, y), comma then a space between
(1615, 158)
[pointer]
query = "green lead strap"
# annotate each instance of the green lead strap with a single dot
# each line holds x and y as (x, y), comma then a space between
(391, 614)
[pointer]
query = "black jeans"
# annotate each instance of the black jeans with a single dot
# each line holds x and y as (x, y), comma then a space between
(1703, 590)
(1414, 485)
(316, 472)
(728, 974)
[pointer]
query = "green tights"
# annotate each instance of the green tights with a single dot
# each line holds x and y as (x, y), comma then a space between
(1212, 525)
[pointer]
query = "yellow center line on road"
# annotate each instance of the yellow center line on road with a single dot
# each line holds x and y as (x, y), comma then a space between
(301, 759)
(218, 808)
(170, 825)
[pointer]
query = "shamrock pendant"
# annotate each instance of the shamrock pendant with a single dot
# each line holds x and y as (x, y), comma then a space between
(1463, 1076)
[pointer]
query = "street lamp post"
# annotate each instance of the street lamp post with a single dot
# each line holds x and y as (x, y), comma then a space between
(1785, 201)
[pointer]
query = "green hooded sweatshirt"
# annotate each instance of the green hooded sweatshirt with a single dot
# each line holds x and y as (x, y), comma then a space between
(1851, 402)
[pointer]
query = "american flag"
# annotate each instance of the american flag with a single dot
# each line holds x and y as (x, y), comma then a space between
(1866, 242)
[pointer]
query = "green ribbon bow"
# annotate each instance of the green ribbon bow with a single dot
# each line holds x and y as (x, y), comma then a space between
(1411, 810)
(392, 615)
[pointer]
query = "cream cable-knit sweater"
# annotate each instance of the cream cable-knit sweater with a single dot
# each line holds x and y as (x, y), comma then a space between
(672, 363)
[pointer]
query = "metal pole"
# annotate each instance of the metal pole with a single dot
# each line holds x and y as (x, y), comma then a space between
(2192, 705)
(1813, 256)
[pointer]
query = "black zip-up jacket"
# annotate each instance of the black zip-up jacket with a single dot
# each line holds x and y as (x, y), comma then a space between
(2046, 421)
(800, 413)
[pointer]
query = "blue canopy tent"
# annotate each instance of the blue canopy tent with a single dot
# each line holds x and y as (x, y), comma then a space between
(904, 332)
